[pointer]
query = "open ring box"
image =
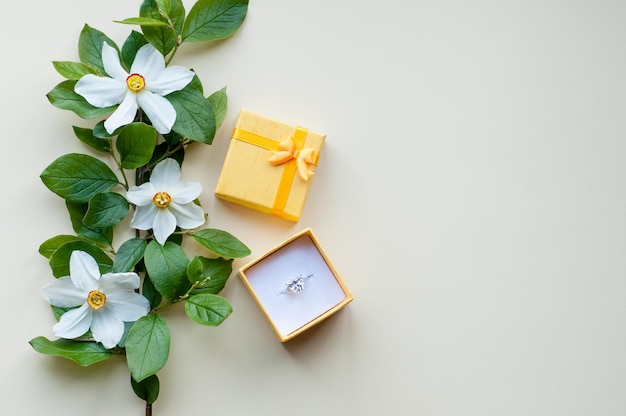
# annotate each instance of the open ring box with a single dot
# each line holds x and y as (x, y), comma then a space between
(323, 294)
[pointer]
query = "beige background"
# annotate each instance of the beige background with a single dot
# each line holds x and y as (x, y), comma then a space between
(471, 192)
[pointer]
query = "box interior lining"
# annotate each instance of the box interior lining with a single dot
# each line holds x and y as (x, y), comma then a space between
(290, 311)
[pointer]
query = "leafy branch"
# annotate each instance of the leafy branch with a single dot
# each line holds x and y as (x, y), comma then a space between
(96, 209)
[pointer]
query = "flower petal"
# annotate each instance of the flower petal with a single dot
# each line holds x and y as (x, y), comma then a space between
(143, 218)
(106, 329)
(111, 63)
(101, 92)
(84, 271)
(184, 192)
(64, 294)
(148, 63)
(74, 323)
(116, 282)
(127, 306)
(164, 224)
(124, 114)
(173, 78)
(165, 175)
(187, 215)
(141, 195)
(158, 109)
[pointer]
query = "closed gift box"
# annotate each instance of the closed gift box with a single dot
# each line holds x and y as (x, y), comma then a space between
(295, 285)
(269, 165)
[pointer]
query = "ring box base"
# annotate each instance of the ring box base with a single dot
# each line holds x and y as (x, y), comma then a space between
(290, 314)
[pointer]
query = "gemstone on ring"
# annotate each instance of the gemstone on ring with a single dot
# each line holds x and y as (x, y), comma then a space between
(295, 285)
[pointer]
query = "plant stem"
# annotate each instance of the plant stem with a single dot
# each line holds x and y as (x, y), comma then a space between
(148, 409)
(118, 162)
(169, 152)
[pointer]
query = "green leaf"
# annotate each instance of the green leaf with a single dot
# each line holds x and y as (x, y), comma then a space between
(100, 131)
(59, 311)
(77, 177)
(60, 259)
(147, 389)
(214, 19)
(208, 309)
(194, 270)
(48, 247)
(86, 136)
(105, 210)
(77, 212)
(196, 83)
(149, 292)
(194, 115)
(122, 342)
(162, 149)
(90, 47)
(221, 243)
(135, 144)
(143, 21)
(167, 267)
(131, 45)
(218, 270)
(63, 96)
(164, 6)
(128, 255)
(172, 138)
(73, 70)
(81, 352)
(164, 39)
(147, 346)
(219, 103)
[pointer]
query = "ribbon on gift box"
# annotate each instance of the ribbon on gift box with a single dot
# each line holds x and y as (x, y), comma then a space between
(290, 153)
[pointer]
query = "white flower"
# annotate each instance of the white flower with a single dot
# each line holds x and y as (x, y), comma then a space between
(149, 80)
(165, 202)
(104, 302)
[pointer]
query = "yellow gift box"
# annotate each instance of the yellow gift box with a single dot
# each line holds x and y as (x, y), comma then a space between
(295, 285)
(269, 165)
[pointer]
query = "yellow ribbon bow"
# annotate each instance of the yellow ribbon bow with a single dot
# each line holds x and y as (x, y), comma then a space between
(304, 157)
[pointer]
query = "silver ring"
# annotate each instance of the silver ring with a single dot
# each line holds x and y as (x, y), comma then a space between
(296, 284)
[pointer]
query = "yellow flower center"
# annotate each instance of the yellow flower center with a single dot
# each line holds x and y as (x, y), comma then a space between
(162, 199)
(96, 299)
(136, 82)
